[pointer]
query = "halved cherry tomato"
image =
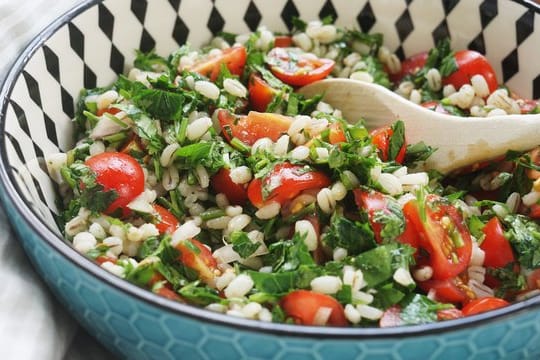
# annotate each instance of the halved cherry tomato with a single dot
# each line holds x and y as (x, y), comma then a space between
(221, 182)
(442, 233)
(435, 106)
(234, 58)
(448, 291)
(297, 68)
(284, 183)
(449, 314)
(391, 317)
(118, 172)
(283, 41)
(302, 306)
(168, 223)
(410, 66)
(336, 134)
(260, 93)
(198, 257)
(381, 139)
(471, 63)
(254, 126)
(481, 305)
(374, 202)
(497, 249)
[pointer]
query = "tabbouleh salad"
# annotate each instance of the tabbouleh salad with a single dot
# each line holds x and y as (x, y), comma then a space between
(205, 178)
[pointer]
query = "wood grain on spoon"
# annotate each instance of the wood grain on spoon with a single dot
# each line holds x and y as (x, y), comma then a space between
(460, 141)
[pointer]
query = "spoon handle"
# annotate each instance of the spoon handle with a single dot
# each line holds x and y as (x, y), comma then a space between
(460, 141)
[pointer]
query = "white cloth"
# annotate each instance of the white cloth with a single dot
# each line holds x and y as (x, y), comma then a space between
(32, 324)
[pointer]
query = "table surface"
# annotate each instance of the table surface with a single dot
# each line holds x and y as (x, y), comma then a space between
(29, 310)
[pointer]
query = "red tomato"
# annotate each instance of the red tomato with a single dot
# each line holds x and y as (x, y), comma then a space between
(481, 305)
(198, 257)
(374, 202)
(221, 183)
(234, 58)
(168, 293)
(118, 172)
(410, 66)
(103, 259)
(381, 139)
(302, 306)
(283, 41)
(336, 134)
(498, 252)
(534, 211)
(435, 106)
(254, 126)
(391, 317)
(260, 93)
(448, 291)
(291, 180)
(168, 223)
(449, 314)
(294, 67)
(110, 110)
(442, 233)
(533, 280)
(471, 63)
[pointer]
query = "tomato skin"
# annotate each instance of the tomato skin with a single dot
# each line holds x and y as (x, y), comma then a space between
(302, 305)
(254, 126)
(484, 304)
(410, 66)
(168, 223)
(372, 202)
(336, 134)
(168, 294)
(304, 70)
(533, 280)
(198, 257)
(292, 180)
(447, 291)
(435, 106)
(103, 259)
(234, 58)
(391, 317)
(497, 249)
(381, 139)
(221, 182)
(110, 110)
(283, 41)
(260, 93)
(119, 172)
(449, 314)
(446, 259)
(529, 106)
(471, 63)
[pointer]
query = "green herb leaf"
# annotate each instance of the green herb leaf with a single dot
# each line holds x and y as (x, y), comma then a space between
(354, 236)
(242, 244)
(524, 235)
(397, 140)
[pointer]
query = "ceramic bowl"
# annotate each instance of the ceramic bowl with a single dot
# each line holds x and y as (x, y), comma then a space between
(93, 43)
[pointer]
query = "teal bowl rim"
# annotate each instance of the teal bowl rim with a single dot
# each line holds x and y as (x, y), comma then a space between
(18, 205)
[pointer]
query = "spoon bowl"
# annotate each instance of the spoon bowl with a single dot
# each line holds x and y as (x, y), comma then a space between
(460, 141)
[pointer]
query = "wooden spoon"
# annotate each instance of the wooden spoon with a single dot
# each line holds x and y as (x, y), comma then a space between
(460, 141)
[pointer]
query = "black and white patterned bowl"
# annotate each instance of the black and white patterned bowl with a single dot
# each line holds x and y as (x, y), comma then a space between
(93, 43)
